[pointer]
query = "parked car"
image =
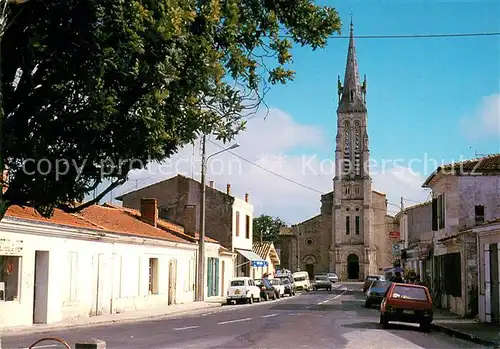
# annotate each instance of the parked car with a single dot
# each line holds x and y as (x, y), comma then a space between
(289, 287)
(267, 290)
(301, 279)
(376, 293)
(278, 287)
(407, 303)
(369, 279)
(333, 277)
(322, 282)
(242, 290)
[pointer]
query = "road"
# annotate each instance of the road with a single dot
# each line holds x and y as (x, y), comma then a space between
(321, 319)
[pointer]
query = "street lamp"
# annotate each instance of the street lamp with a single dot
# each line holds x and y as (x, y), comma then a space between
(201, 253)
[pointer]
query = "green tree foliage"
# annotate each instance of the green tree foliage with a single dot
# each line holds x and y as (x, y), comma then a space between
(95, 88)
(268, 227)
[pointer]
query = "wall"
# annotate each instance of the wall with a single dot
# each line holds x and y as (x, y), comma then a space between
(312, 249)
(419, 219)
(381, 226)
(123, 278)
(244, 209)
(487, 236)
(478, 190)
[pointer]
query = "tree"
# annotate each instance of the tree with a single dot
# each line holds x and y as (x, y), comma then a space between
(93, 89)
(268, 227)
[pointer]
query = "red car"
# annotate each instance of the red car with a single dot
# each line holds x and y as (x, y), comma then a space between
(407, 303)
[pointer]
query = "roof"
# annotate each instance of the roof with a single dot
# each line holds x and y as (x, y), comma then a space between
(108, 218)
(265, 249)
(486, 165)
(412, 207)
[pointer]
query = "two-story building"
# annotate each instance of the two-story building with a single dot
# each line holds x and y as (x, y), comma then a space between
(464, 194)
(415, 227)
(228, 220)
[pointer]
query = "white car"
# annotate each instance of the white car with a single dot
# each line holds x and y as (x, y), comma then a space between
(242, 290)
(333, 277)
(278, 286)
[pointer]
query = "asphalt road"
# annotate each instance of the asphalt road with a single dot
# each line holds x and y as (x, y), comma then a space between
(320, 319)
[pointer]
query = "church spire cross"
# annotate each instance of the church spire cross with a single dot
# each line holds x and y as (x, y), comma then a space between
(352, 96)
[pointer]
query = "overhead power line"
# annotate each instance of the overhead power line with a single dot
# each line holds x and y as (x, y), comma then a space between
(410, 36)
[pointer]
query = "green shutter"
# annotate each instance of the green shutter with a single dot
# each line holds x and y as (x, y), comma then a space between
(209, 276)
(217, 281)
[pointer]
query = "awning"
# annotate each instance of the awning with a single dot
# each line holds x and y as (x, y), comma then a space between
(254, 258)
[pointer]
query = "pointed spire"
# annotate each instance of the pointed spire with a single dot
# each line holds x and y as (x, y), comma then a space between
(352, 91)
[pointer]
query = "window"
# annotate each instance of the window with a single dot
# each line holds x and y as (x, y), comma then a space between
(347, 190)
(413, 293)
(309, 241)
(347, 225)
(357, 148)
(247, 226)
(10, 273)
(479, 212)
(438, 213)
(72, 276)
(347, 148)
(358, 222)
(237, 223)
(153, 275)
(357, 193)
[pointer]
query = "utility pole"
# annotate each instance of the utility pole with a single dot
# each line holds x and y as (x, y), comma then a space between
(298, 247)
(201, 252)
(402, 204)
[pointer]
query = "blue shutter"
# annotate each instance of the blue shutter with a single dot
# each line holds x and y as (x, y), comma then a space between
(209, 276)
(217, 281)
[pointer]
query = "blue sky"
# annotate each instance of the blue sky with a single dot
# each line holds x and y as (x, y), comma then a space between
(428, 98)
(418, 89)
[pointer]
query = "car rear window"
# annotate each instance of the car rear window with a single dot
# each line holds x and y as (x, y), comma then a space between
(412, 293)
(238, 283)
(300, 278)
(324, 278)
(275, 282)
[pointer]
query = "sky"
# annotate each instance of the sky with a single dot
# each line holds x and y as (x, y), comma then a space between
(430, 101)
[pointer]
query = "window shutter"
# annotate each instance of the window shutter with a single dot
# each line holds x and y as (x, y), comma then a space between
(217, 281)
(434, 215)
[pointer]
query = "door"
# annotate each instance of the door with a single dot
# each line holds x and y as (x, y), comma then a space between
(494, 277)
(222, 279)
(210, 277)
(310, 270)
(217, 280)
(98, 284)
(172, 281)
(41, 288)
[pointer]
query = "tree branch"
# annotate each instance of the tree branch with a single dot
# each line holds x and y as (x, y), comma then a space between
(71, 209)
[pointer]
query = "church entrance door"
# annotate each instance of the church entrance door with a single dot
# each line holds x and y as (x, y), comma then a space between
(352, 267)
(310, 270)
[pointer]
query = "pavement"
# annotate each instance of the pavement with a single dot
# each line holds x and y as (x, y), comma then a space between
(320, 319)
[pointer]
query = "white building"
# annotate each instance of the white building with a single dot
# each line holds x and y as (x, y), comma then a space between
(103, 260)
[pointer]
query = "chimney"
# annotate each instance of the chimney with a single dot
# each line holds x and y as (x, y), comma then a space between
(228, 189)
(190, 220)
(149, 211)
(246, 197)
(211, 184)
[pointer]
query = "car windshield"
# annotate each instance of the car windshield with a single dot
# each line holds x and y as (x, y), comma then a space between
(300, 278)
(409, 292)
(380, 284)
(238, 283)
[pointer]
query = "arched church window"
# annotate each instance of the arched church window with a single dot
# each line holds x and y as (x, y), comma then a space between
(352, 96)
(357, 148)
(347, 147)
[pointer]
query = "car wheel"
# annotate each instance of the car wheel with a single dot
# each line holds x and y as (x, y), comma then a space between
(425, 326)
(250, 300)
(266, 297)
(367, 304)
(384, 322)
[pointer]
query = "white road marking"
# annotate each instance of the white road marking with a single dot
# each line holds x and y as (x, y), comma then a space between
(323, 302)
(44, 346)
(232, 321)
(344, 291)
(185, 328)
(269, 315)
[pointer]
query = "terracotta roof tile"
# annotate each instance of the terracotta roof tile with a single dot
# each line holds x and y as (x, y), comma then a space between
(262, 249)
(59, 217)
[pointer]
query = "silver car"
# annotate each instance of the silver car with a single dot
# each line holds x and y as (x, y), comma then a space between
(332, 277)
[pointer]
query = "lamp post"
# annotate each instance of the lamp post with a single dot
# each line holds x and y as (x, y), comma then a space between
(201, 253)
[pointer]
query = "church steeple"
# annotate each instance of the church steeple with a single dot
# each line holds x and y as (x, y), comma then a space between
(352, 93)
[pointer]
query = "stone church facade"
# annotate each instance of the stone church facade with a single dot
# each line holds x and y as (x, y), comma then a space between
(350, 236)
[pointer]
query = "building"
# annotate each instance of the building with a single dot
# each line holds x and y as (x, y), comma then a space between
(267, 252)
(103, 260)
(489, 271)
(415, 228)
(229, 219)
(350, 236)
(464, 194)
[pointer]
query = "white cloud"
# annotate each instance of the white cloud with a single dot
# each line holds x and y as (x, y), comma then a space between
(486, 120)
(273, 144)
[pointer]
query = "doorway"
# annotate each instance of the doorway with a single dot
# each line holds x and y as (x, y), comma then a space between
(172, 281)
(352, 267)
(495, 284)
(98, 284)
(41, 287)
(222, 278)
(310, 270)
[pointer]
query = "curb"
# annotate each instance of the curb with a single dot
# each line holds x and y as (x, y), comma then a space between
(32, 330)
(465, 336)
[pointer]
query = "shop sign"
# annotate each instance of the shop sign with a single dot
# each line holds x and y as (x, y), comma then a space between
(423, 251)
(10, 247)
(394, 235)
(396, 249)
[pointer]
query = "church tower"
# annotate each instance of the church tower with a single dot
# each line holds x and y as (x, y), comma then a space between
(353, 251)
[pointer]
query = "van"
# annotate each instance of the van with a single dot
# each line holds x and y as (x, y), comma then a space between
(301, 280)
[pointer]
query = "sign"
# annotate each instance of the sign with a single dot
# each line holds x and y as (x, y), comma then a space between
(394, 234)
(423, 251)
(10, 247)
(258, 264)
(396, 249)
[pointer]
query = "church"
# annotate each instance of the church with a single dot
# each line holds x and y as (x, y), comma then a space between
(350, 236)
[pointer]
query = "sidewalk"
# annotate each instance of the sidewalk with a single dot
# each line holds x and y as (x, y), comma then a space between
(130, 316)
(467, 329)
